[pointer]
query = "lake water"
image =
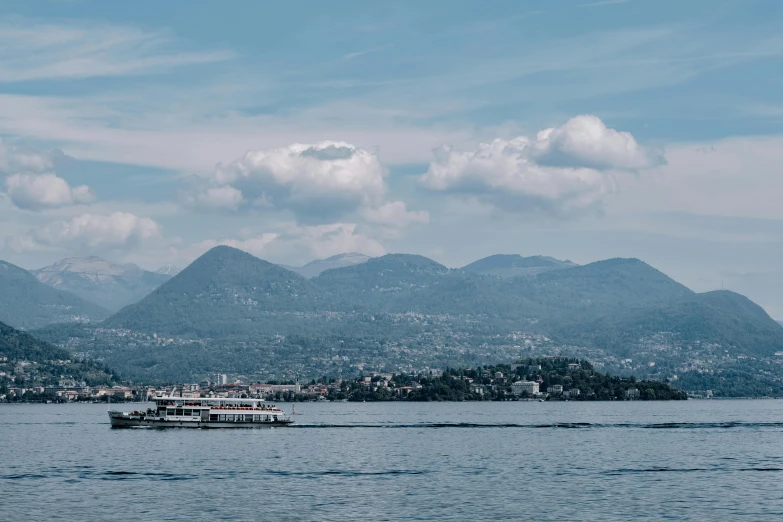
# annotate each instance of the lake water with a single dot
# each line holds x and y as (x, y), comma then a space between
(694, 460)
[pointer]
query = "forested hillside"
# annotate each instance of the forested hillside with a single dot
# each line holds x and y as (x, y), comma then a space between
(27, 303)
(234, 313)
(27, 360)
(224, 292)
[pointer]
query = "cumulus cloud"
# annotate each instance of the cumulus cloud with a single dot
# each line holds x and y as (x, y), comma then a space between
(585, 141)
(31, 184)
(563, 171)
(39, 191)
(318, 182)
(215, 198)
(95, 232)
(395, 214)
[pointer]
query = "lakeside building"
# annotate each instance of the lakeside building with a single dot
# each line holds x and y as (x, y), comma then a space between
(555, 388)
(520, 388)
(632, 394)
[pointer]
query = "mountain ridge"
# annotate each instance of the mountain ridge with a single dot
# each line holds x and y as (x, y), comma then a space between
(46, 363)
(318, 266)
(229, 310)
(97, 280)
(26, 302)
(515, 265)
(222, 282)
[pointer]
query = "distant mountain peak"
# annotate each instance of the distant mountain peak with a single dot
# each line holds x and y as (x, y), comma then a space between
(26, 302)
(347, 255)
(95, 279)
(224, 285)
(515, 265)
(318, 266)
(168, 270)
(84, 265)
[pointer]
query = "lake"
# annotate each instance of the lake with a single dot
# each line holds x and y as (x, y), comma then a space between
(690, 460)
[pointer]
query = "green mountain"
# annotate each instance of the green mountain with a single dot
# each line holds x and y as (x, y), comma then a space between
(30, 361)
(401, 283)
(224, 292)
(606, 286)
(27, 303)
(721, 317)
(233, 313)
(514, 265)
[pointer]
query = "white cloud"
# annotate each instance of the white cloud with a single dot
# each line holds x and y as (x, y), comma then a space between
(503, 173)
(395, 214)
(316, 182)
(215, 198)
(564, 171)
(119, 230)
(31, 184)
(17, 159)
(585, 141)
(39, 191)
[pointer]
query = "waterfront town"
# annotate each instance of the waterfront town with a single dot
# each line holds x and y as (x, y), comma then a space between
(550, 378)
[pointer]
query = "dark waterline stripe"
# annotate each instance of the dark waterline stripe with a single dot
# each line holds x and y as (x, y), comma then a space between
(562, 425)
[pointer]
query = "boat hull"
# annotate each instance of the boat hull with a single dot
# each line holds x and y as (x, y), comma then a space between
(119, 420)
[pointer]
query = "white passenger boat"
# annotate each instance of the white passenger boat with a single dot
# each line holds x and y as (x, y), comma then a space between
(185, 412)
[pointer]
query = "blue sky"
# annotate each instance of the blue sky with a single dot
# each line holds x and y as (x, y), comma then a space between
(148, 132)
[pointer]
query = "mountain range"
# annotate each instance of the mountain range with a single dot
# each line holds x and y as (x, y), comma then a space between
(231, 312)
(514, 265)
(107, 284)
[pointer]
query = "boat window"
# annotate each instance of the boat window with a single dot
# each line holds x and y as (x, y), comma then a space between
(171, 411)
(187, 413)
(179, 411)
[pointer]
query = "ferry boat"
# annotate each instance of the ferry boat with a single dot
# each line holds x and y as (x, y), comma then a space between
(186, 412)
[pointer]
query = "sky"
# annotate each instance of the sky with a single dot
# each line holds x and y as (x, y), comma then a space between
(149, 132)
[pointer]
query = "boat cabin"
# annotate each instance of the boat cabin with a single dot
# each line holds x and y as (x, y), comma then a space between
(216, 410)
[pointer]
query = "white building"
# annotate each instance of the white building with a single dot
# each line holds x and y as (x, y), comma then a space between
(520, 387)
(555, 388)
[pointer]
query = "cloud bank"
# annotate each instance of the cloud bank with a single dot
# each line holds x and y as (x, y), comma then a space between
(39, 191)
(118, 230)
(318, 182)
(31, 184)
(563, 171)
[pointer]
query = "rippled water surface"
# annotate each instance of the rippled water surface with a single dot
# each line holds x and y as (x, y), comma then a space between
(695, 460)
